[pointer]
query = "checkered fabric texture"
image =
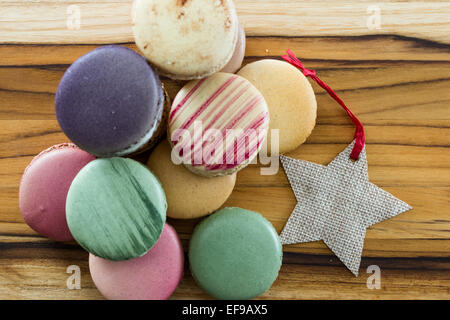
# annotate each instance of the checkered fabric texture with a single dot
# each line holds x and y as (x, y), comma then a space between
(336, 203)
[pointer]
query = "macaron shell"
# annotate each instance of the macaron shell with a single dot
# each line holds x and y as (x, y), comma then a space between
(110, 101)
(236, 60)
(290, 98)
(154, 276)
(116, 208)
(44, 186)
(205, 194)
(186, 39)
(228, 104)
(235, 254)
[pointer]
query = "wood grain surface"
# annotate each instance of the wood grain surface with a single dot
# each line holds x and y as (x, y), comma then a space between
(395, 79)
(104, 21)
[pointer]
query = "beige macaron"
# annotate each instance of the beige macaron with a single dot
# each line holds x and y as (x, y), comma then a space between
(186, 39)
(188, 195)
(290, 98)
(236, 60)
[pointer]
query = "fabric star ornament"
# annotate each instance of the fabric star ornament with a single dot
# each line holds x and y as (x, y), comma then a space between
(336, 204)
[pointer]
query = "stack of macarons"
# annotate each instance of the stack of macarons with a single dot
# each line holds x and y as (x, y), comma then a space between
(112, 105)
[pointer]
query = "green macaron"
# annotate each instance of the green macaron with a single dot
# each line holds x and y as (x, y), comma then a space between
(235, 254)
(116, 208)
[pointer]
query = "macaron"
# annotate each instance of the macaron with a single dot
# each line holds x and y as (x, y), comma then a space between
(116, 208)
(154, 276)
(239, 53)
(205, 195)
(235, 254)
(110, 102)
(290, 98)
(186, 39)
(44, 186)
(217, 124)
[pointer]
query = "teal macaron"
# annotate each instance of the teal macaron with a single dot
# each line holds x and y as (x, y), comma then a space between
(116, 208)
(235, 254)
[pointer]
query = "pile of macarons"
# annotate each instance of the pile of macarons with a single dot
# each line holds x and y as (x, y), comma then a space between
(112, 105)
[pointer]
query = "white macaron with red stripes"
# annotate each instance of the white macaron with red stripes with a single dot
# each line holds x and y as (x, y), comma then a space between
(218, 124)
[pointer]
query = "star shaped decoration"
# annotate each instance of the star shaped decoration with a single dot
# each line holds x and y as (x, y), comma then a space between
(336, 204)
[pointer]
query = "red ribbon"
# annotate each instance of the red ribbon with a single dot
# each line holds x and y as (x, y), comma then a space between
(359, 133)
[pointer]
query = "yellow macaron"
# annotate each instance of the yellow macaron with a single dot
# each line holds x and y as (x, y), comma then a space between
(188, 195)
(289, 97)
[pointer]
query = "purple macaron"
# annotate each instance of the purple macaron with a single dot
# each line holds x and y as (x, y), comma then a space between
(110, 102)
(44, 186)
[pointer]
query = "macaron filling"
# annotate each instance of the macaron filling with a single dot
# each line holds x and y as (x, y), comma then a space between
(140, 145)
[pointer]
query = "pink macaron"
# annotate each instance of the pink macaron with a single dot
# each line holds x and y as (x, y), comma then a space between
(44, 186)
(153, 276)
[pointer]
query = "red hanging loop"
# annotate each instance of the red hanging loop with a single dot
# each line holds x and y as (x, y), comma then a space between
(359, 136)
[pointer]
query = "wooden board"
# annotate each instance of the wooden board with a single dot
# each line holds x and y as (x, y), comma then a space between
(396, 80)
(104, 21)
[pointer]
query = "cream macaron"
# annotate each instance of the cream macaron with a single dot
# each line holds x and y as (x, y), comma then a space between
(188, 195)
(290, 98)
(186, 39)
(218, 124)
(236, 60)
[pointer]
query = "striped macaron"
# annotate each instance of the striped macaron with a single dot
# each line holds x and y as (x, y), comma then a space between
(217, 124)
